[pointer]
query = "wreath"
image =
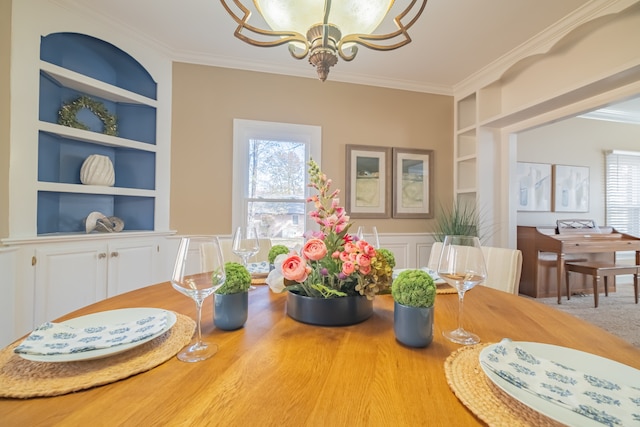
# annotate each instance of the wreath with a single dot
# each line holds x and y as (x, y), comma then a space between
(67, 116)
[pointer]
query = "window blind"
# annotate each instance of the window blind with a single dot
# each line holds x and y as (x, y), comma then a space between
(622, 188)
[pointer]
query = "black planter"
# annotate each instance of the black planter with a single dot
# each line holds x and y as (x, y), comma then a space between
(340, 311)
(413, 326)
(230, 311)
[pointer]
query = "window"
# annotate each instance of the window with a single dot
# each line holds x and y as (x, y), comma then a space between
(270, 177)
(622, 180)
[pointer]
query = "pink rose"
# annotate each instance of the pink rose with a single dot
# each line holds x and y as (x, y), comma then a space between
(365, 269)
(314, 249)
(363, 260)
(295, 268)
(348, 267)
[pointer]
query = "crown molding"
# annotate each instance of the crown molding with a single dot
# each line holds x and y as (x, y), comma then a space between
(540, 43)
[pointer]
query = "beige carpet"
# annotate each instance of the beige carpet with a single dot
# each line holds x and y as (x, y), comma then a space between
(616, 313)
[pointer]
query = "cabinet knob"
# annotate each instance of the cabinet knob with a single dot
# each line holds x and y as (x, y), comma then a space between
(114, 254)
(102, 255)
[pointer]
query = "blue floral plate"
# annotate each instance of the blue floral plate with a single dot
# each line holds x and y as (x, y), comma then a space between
(570, 386)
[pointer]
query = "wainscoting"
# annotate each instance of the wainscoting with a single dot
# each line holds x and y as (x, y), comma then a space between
(411, 250)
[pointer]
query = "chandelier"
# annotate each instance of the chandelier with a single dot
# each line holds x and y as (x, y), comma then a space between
(322, 29)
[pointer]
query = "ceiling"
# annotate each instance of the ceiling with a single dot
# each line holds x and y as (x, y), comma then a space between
(451, 42)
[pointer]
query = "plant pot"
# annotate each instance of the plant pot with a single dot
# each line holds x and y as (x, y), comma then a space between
(413, 326)
(230, 311)
(340, 311)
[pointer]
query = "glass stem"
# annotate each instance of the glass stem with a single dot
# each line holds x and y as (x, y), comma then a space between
(199, 320)
(460, 309)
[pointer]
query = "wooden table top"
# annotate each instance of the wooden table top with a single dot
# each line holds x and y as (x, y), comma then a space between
(277, 371)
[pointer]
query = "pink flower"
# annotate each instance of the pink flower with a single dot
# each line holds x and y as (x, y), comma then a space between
(348, 267)
(365, 269)
(314, 249)
(363, 260)
(295, 268)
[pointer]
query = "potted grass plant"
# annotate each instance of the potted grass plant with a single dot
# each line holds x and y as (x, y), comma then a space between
(414, 294)
(462, 219)
(231, 300)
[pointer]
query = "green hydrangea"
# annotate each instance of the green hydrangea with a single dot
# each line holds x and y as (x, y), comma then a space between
(388, 256)
(414, 288)
(275, 251)
(238, 279)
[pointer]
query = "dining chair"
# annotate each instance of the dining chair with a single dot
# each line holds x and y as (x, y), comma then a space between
(226, 245)
(504, 267)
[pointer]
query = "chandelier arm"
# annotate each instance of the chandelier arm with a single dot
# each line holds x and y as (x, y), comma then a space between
(283, 37)
(365, 39)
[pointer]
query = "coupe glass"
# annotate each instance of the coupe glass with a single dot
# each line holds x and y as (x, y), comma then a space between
(462, 266)
(198, 272)
(245, 245)
(369, 235)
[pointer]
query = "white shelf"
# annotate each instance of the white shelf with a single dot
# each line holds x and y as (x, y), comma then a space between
(93, 189)
(91, 86)
(94, 137)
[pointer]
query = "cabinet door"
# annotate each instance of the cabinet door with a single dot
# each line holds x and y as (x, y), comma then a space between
(132, 265)
(68, 278)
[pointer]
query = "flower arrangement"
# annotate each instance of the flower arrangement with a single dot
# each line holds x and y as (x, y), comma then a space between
(331, 263)
(414, 288)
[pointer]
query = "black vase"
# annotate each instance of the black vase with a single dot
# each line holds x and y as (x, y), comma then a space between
(341, 311)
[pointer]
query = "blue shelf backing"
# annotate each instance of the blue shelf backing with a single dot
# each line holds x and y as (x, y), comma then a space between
(60, 160)
(66, 212)
(135, 122)
(97, 59)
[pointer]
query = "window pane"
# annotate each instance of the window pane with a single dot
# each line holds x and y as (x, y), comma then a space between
(277, 219)
(277, 169)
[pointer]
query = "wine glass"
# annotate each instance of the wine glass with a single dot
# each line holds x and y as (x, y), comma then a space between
(198, 272)
(245, 245)
(369, 235)
(462, 266)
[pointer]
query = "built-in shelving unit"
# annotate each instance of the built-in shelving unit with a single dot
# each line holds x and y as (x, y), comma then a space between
(465, 151)
(74, 65)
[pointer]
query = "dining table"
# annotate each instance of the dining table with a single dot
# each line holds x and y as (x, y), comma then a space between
(276, 371)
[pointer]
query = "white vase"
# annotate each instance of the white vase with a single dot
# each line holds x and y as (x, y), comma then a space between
(97, 170)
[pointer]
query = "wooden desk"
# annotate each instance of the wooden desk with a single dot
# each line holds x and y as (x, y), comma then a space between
(276, 371)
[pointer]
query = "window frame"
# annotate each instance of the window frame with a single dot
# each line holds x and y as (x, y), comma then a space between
(243, 132)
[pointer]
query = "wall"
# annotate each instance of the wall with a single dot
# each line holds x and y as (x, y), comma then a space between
(207, 99)
(576, 142)
(5, 97)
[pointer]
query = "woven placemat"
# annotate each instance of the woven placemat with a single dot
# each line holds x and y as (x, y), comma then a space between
(445, 289)
(478, 393)
(21, 378)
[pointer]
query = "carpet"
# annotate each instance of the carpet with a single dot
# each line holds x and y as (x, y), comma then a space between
(618, 313)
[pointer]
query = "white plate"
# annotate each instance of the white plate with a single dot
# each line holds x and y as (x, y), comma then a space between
(436, 279)
(581, 361)
(123, 315)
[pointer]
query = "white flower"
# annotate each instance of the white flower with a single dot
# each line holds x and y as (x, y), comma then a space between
(275, 279)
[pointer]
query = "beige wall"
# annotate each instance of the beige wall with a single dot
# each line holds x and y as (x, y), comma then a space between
(207, 99)
(5, 54)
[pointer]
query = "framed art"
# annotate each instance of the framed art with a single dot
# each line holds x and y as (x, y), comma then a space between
(570, 188)
(534, 187)
(412, 178)
(368, 181)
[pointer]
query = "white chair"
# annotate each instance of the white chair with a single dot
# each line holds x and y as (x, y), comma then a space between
(504, 266)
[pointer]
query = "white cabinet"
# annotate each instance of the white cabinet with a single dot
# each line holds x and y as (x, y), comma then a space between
(71, 276)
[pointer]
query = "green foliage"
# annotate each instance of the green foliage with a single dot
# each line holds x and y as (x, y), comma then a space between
(275, 251)
(388, 256)
(462, 219)
(238, 279)
(414, 288)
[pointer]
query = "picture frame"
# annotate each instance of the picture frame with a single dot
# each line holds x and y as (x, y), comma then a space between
(368, 181)
(533, 187)
(570, 188)
(412, 183)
